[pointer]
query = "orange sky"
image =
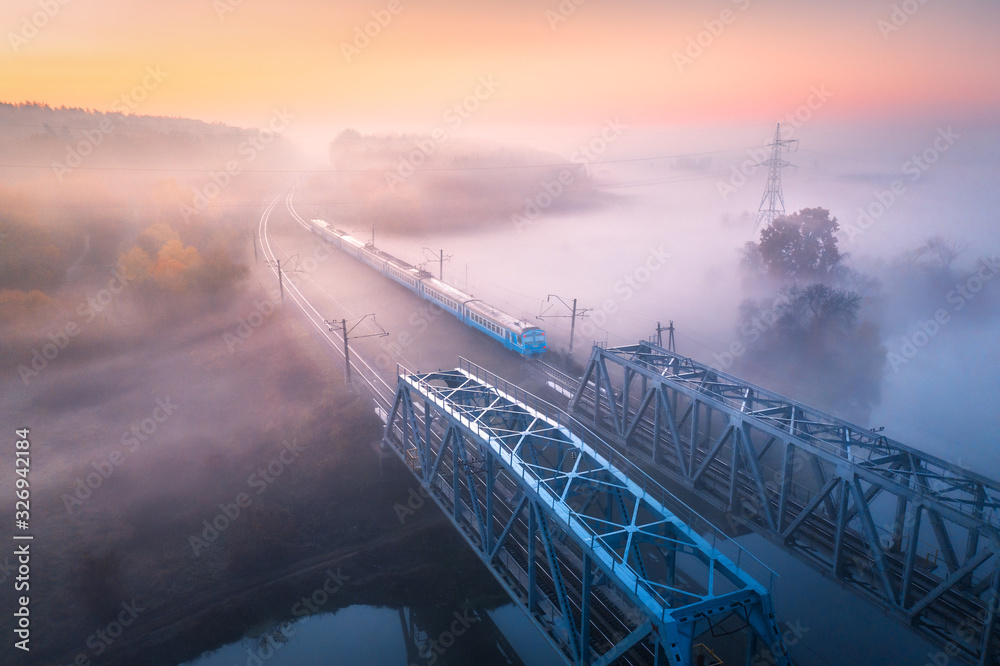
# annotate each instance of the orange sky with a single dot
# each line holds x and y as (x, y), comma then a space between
(234, 60)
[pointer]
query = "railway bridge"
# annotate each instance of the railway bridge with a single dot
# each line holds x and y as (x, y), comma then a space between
(914, 534)
(610, 566)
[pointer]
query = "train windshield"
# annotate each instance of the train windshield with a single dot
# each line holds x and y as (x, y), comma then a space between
(534, 337)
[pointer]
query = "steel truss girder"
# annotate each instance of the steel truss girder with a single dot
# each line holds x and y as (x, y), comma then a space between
(595, 559)
(814, 484)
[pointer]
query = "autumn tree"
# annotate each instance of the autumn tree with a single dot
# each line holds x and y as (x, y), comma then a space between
(172, 263)
(156, 236)
(15, 304)
(161, 260)
(136, 265)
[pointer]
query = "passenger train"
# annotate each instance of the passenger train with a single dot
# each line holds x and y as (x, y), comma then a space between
(508, 330)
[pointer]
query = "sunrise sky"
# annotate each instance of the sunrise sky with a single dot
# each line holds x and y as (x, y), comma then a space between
(234, 60)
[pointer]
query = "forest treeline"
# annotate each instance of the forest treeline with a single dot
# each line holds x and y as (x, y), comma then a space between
(162, 206)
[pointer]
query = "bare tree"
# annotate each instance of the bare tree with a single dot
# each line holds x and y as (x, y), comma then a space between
(938, 252)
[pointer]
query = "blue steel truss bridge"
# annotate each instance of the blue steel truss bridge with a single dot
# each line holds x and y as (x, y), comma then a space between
(914, 534)
(609, 566)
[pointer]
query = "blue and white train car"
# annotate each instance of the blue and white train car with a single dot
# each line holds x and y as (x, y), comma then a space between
(325, 231)
(405, 274)
(511, 332)
(444, 295)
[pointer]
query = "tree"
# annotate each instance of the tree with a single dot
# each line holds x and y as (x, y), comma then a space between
(347, 141)
(938, 253)
(16, 304)
(29, 258)
(172, 264)
(818, 308)
(751, 259)
(800, 246)
(810, 343)
(348, 134)
(156, 236)
(136, 265)
(218, 272)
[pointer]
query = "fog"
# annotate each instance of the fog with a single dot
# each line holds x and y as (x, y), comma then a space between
(184, 431)
(143, 338)
(693, 194)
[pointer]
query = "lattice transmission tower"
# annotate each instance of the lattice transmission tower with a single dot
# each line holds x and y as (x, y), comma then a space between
(772, 204)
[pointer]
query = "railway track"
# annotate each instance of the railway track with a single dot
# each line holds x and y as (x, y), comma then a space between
(814, 541)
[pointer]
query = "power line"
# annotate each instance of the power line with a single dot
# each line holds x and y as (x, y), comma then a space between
(441, 257)
(772, 204)
(574, 313)
(225, 129)
(241, 204)
(670, 339)
(545, 165)
(341, 326)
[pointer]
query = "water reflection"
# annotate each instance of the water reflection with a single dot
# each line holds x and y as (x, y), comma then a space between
(395, 637)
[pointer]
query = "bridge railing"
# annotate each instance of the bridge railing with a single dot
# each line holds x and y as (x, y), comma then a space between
(834, 436)
(741, 558)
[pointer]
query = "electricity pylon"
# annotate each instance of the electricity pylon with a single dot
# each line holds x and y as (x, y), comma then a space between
(772, 204)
